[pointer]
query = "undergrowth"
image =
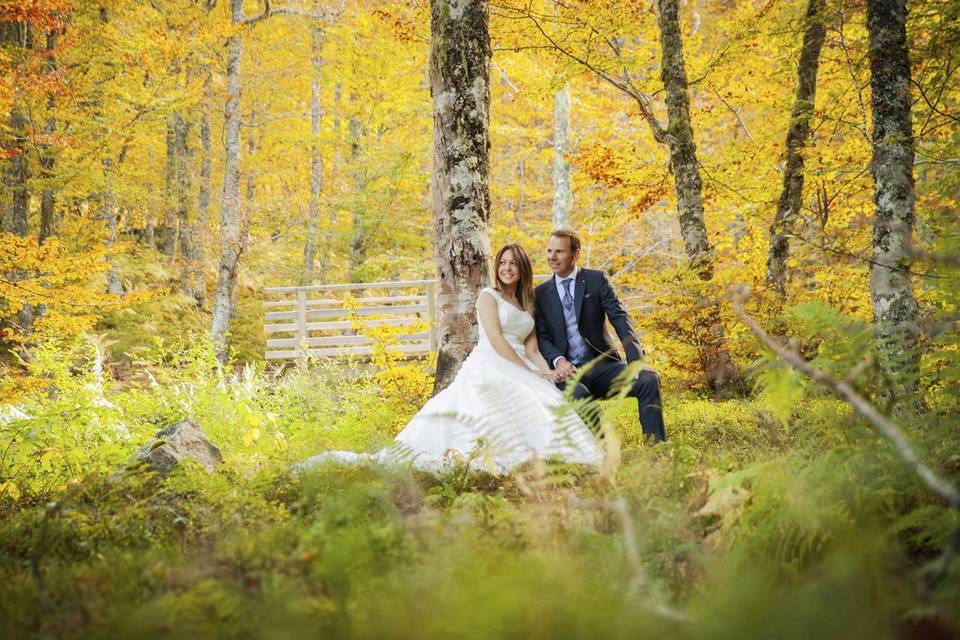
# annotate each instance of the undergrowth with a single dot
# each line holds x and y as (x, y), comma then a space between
(751, 522)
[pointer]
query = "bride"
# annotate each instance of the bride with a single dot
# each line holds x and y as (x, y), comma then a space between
(502, 409)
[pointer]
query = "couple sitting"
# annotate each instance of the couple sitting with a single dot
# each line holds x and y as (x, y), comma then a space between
(506, 405)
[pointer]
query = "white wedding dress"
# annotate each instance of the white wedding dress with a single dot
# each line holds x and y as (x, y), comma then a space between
(494, 416)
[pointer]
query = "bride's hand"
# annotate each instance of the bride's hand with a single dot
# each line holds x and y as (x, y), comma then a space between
(550, 375)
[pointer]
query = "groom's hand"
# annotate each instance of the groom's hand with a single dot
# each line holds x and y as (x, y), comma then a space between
(564, 369)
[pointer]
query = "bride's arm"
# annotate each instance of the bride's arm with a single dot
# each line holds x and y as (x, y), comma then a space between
(490, 319)
(533, 352)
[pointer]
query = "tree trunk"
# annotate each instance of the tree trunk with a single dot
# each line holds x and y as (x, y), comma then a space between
(19, 176)
(788, 207)
(251, 152)
(562, 191)
(230, 238)
(721, 374)
(114, 285)
(358, 240)
(460, 86)
(206, 162)
(47, 157)
(168, 230)
(191, 280)
(896, 316)
(327, 250)
(150, 234)
(254, 140)
(316, 155)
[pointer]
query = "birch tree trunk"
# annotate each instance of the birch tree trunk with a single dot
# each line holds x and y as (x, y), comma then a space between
(251, 152)
(562, 191)
(316, 154)
(114, 285)
(230, 239)
(721, 374)
(254, 140)
(895, 311)
(460, 86)
(788, 207)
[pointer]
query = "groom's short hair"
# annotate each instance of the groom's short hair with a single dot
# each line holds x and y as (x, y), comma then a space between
(571, 236)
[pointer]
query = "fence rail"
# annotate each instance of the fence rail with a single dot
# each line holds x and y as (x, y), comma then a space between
(298, 325)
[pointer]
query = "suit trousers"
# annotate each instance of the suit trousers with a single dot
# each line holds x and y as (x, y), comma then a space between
(597, 383)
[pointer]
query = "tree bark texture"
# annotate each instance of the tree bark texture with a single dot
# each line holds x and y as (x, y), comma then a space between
(230, 239)
(114, 285)
(788, 207)
(562, 191)
(316, 154)
(683, 151)
(896, 315)
(460, 86)
(718, 367)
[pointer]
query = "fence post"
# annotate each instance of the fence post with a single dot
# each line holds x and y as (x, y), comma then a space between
(432, 313)
(301, 321)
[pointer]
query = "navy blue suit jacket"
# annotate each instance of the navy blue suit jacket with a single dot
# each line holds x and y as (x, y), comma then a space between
(594, 301)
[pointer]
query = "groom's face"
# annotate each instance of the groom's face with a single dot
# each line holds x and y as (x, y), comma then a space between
(559, 257)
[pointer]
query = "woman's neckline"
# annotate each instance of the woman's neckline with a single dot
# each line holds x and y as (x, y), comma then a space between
(500, 295)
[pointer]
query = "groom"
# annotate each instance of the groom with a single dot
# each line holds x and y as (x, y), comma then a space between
(570, 311)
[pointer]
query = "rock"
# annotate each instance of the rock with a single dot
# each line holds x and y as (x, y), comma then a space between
(176, 442)
(722, 510)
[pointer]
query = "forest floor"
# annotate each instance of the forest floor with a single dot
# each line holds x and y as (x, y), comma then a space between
(750, 522)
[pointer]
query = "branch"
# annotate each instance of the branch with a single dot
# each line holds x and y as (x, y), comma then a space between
(625, 85)
(901, 444)
(869, 261)
(735, 112)
(269, 11)
(856, 82)
(935, 258)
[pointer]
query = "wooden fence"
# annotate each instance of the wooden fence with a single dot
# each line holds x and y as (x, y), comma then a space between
(315, 320)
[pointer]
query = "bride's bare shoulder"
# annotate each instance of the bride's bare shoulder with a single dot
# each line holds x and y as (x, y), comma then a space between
(491, 292)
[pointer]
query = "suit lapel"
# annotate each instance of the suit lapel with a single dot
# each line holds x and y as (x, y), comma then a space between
(554, 299)
(580, 289)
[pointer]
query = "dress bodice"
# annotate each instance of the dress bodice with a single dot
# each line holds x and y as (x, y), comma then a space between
(515, 324)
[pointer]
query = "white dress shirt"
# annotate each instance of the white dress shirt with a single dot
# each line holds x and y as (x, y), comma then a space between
(573, 285)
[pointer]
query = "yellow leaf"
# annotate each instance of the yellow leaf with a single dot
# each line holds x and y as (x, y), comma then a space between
(11, 489)
(251, 436)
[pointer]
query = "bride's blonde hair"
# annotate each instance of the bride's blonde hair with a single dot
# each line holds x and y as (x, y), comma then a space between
(524, 283)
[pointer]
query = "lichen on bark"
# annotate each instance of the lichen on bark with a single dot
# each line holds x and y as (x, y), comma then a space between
(896, 314)
(460, 86)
